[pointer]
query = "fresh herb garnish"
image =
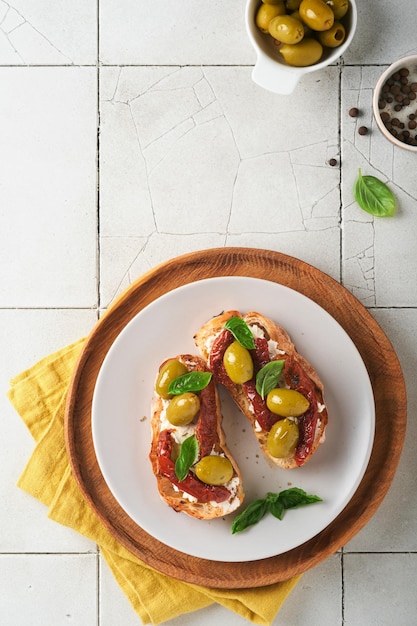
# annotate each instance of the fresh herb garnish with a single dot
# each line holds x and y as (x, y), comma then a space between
(253, 514)
(274, 503)
(267, 378)
(187, 457)
(374, 197)
(192, 381)
(241, 332)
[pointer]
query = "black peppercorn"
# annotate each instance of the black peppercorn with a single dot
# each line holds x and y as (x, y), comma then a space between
(396, 95)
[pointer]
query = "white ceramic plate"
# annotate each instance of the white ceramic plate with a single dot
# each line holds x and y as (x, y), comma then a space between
(121, 419)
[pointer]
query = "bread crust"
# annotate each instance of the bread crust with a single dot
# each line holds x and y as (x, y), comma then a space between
(172, 494)
(204, 340)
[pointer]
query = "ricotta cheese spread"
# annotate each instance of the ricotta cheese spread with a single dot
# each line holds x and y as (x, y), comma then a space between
(273, 349)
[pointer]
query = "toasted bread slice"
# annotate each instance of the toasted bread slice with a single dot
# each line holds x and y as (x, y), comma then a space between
(273, 341)
(191, 495)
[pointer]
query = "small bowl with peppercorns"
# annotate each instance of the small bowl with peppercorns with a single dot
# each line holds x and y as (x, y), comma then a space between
(395, 103)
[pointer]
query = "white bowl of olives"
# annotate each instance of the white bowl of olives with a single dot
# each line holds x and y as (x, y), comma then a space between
(295, 37)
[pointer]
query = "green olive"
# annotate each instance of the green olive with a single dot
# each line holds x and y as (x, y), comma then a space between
(265, 14)
(282, 438)
(307, 30)
(292, 5)
(273, 1)
(339, 7)
(286, 28)
(214, 470)
(333, 37)
(238, 363)
(287, 402)
(307, 52)
(183, 409)
(316, 14)
(169, 371)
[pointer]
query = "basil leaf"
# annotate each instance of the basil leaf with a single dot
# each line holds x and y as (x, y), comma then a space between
(275, 503)
(241, 332)
(192, 381)
(267, 378)
(374, 197)
(294, 497)
(187, 457)
(250, 516)
(276, 507)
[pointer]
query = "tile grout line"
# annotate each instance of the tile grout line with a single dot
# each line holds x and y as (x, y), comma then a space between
(98, 266)
(98, 259)
(340, 178)
(98, 308)
(342, 551)
(342, 575)
(144, 65)
(98, 580)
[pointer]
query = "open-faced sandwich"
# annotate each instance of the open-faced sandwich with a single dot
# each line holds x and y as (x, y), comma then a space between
(274, 386)
(195, 471)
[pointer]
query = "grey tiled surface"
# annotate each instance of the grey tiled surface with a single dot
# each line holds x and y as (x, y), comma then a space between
(188, 153)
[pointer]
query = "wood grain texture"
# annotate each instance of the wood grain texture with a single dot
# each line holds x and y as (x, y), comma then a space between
(376, 351)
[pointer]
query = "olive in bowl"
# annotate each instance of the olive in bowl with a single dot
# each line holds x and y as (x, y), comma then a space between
(292, 38)
(395, 103)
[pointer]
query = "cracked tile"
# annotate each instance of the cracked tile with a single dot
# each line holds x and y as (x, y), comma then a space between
(125, 201)
(178, 148)
(363, 236)
(259, 204)
(181, 190)
(261, 122)
(120, 257)
(123, 259)
(11, 20)
(61, 33)
(319, 248)
(174, 106)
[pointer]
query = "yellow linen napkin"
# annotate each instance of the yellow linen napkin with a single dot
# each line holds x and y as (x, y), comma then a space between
(39, 395)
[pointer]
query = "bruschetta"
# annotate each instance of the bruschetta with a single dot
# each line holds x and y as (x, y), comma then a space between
(195, 471)
(276, 388)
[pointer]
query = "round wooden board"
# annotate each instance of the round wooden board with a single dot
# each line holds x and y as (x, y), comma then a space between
(375, 349)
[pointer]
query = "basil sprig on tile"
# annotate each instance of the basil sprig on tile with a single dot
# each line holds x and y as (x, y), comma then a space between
(268, 376)
(274, 503)
(191, 381)
(187, 457)
(241, 332)
(374, 197)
